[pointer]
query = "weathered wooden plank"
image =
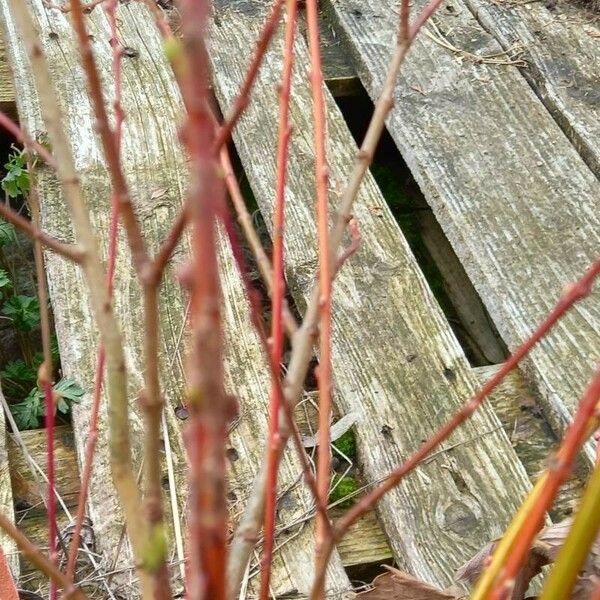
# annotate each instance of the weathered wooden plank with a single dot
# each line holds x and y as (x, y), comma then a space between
(25, 486)
(9, 548)
(396, 362)
(7, 92)
(484, 341)
(530, 435)
(560, 42)
(516, 201)
(156, 170)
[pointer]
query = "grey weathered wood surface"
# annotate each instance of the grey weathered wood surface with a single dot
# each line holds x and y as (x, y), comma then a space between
(515, 199)
(6, 499)
(156, 171)
(396, 362)
(561, 42)
(7, 90)
(530, 435)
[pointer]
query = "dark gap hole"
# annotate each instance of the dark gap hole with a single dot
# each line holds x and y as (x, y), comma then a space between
(476, 334)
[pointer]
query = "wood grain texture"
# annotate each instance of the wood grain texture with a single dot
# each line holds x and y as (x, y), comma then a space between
(561, 42)
(7, 545)
(516, 201)
(156, 171)
(7, 91)
(396, 362)
(530, 435)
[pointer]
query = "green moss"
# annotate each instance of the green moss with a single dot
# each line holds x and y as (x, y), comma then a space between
(344, 486)
(346, 444)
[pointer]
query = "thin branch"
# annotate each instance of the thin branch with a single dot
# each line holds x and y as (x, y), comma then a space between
(45, 374)
(572, 294)
(243, 97)
(70, 252)
(278, 287)
(210, 407)
(120, 447)
(152, 401)
(109, 142)
(36, 558)
(585, 422)
(324, 373)
(25, 139)
(245, 220)
(303, 340)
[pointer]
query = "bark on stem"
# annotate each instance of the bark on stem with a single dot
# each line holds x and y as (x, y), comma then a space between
(303, 340)
(120, 446)
(278, 290)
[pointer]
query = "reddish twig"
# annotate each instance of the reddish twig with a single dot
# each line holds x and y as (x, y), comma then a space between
(245, 220)
(278, 287)
(210, 407)
(33, 554)
(243, 97)
(109, 142)
(151, 396)
(120, 446)
(289, 420)
(92, 436)
(25, 139)
(586, 420)
(68, 251)
(325, 270)
(45, 376)
(572, 294)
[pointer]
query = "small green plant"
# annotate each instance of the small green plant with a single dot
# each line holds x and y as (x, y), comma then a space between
(342, 487)
(16, 181)
(5, 282)
(24, 311)
(30, 411)
(8, 234)
(346, 444)
(17, 378)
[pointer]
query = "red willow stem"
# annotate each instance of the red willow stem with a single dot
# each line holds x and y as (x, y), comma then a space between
(68, 251)
(92, 437)
(33, 554)
(210, 407)
(325, 275)
(278, 290)
(571, 294)
(25, 139)
(224, 133)
(243, 98)
(274, 369)
(586, 420)
(45, 378)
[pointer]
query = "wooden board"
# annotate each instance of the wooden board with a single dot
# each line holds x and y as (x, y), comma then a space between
(7, 545)
(7, 92)
(157, 173)
(516, 201)
(396, 362)
(561, 42)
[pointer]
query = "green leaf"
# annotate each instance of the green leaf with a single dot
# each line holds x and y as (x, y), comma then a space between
(28, 413)
(24, 312)
(7, 233)
(16, 181)
(5, 281)
(69, 390)
(18, 370)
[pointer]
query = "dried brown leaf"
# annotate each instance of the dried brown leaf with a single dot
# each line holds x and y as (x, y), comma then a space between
(396, 585)
(544, 551)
